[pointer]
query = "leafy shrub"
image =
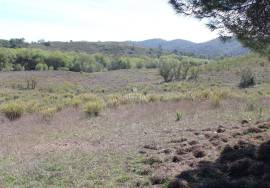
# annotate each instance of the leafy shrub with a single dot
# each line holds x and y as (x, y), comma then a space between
(12, 110)
(193, 73)
(185, 66)
(18, 67)
(173, 69)
(41, 67)
(167, 71)
(151, 65)
(63, 68)
(139, 65)
(51, 68)
(247, 78)
(93, 108)
(120, 63)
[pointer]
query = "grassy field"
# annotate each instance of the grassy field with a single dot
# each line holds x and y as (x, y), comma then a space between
(124, 128)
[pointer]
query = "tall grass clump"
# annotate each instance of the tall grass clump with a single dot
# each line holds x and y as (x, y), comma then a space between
(12, 110)
(134, 98)
(48, 113)
(216, 95)
(93, 108)
(31, 83)
(179, 116)
(215, 100)
(113, 100)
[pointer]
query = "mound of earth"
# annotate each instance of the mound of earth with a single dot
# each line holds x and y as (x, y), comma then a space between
(238, 157)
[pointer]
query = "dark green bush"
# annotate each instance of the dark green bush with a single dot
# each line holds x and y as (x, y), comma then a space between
(119, 63)
(247, 78)
(18, 67)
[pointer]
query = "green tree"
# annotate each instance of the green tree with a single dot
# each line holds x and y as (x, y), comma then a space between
(7, 58)
(17, 43)
(247, 20)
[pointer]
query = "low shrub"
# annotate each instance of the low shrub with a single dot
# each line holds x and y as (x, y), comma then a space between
(12, 110)
(193, 73)
(151, 65)
(247, 79)
(139, 65)
(18, 67)
(166, 70)
(41, 67)
(93, 108)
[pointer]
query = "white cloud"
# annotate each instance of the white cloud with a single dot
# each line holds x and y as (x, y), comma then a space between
(113, 20)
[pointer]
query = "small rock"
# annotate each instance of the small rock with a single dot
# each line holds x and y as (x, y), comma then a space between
(142, 152)
(151, 147)
(152, 160)
(221, 130)
(264, 125)
(166, 151)
(244, 121)
(178, 184)
(178, 140)
(176, 159)
(159, 178)
(253, 130)
(181, 151)
(196, 133)
(193, 142)
(198, 153)
(145, 171)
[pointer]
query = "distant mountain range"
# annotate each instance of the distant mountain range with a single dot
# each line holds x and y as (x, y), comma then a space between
(211, 49)
(153, 47)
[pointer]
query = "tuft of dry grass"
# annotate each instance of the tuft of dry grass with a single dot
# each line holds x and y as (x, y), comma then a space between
(12, 110)
(93, 108)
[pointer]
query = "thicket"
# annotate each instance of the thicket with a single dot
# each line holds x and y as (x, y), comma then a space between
(36, 59)
(178, 68)
(20, 59)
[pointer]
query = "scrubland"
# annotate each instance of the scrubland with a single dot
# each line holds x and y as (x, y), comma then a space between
(129, 128)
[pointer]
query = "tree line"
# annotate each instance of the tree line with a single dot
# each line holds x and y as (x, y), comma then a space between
(36, 59)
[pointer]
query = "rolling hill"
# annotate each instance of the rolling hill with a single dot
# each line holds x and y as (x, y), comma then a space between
(213, 48)
(152, 47)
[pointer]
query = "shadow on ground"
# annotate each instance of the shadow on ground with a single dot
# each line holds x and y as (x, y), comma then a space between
(242, 166)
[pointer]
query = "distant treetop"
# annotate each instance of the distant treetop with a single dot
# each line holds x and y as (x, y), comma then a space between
(248, 20)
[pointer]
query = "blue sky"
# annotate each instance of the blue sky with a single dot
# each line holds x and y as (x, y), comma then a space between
(97, 20)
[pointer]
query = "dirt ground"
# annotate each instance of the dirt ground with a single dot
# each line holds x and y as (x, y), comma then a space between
(144, 141)
(132, 145)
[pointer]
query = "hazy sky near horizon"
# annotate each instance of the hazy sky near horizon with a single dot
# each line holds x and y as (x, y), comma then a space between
(97, 20)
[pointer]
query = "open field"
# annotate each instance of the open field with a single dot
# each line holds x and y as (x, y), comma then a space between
(147, 131)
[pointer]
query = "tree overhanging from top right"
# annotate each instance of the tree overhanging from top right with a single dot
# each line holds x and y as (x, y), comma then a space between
(247, 20)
